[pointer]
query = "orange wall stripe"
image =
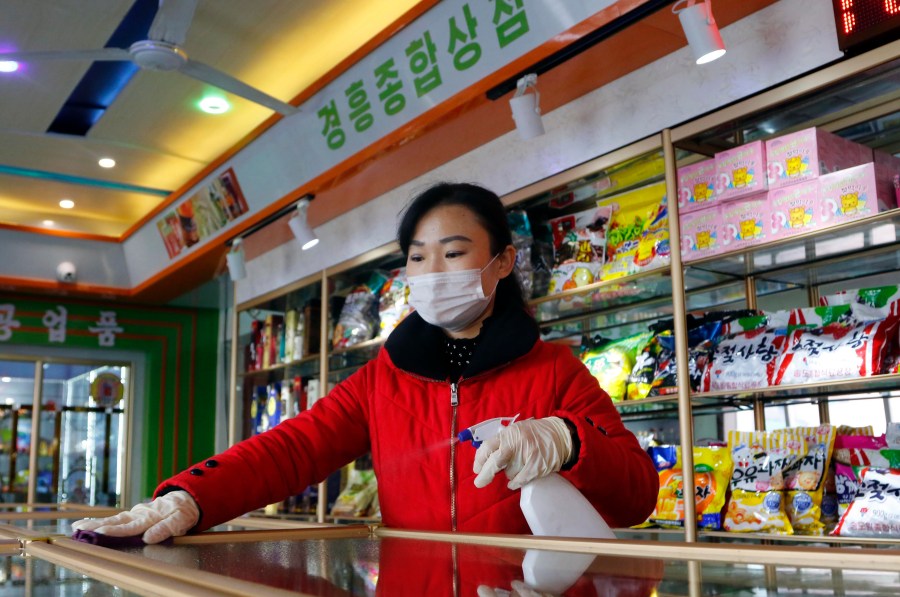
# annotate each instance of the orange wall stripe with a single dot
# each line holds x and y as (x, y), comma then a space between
(61, 233)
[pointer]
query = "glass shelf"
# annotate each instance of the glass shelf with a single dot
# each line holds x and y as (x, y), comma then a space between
(862, 248)
(865, 387)
(313, 358)
(800, 539)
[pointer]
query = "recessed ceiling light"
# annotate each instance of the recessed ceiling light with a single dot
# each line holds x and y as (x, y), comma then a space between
(6, 379)
(213, 104)
(107, 162)
(66, 204)
(8, 66)
(49, 222)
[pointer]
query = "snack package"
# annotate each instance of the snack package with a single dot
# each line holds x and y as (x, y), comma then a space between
(611, 363)
(637, 237)
(744, 361)
(837, 351)
(579, 242)
(522, 239)
(356, 497)
(878, 296)
(359, 315)
(805, 481)
(875, 511)
(761, 462)
(392, 302)
(712, 470)
(655, 371)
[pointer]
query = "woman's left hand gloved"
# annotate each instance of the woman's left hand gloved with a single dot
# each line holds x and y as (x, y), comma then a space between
(527, 450)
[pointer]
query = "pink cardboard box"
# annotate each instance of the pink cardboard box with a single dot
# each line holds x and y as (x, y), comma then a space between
(745, 222)
(696, 185)
(793, 209)
(701, 233)
(855, 193)
(889, 166)
(810, 153)
(741, 171)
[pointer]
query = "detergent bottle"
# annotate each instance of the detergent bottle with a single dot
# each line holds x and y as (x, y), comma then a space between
(552, 505)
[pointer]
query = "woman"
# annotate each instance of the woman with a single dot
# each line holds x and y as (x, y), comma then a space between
(469, 352)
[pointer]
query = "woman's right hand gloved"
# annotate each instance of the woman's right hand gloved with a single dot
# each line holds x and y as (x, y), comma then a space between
(170, 515)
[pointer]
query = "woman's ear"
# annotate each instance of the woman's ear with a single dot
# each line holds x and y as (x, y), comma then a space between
(507, 260)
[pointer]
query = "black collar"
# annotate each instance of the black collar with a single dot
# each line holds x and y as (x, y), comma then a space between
(418, 347)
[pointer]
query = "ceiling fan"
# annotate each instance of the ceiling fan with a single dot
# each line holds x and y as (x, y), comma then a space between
(162, 51)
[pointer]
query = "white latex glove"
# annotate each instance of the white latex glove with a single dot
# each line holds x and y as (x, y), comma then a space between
(170, 515)
(527, 450)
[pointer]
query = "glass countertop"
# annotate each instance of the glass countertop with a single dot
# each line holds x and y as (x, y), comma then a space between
(21, 575)
(360, 566)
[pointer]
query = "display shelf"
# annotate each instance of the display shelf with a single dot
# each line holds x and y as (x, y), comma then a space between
(893, 543)
(865, 387)
(313, 358)
(861, 248)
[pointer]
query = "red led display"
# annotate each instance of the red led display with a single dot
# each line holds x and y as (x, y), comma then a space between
(866, 22)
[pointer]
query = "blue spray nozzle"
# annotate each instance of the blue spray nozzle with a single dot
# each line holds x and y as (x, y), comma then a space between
(466, 436)
(485, 430)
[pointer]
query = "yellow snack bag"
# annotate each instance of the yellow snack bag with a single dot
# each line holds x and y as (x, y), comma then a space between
(757, 482)
(637, 236)
(805, 481)
(712, 470)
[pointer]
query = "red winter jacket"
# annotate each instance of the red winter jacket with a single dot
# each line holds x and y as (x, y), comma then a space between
(399, 407)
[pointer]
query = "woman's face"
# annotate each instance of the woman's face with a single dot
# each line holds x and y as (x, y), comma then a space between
(450, 238)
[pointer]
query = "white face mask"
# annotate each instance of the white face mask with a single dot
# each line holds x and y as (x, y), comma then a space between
(450, 300)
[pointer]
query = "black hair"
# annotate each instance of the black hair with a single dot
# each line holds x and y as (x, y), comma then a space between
(489, 212)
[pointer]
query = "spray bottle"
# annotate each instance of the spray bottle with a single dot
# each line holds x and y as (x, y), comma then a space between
(552, 507)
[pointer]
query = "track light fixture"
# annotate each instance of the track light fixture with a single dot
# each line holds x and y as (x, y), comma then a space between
(526, 109)
(236, 266)
(300, 226)
(700, 29)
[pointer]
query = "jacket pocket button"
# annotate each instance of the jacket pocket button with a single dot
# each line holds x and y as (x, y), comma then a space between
(196, 471)
(211, 463)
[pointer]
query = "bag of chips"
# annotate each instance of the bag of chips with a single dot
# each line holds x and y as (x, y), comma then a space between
(392, 302)
(359, 315)
(875, 511)
(712, 470)
(757, 482)
(744, 361)
(612, 363)
(805, 481)
(638, 234)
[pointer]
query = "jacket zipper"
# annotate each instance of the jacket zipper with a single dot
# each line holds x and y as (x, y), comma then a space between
(454, 403)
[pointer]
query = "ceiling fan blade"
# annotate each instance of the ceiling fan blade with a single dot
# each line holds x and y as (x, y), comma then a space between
(172, 21)
(90, 55)
(226, 82)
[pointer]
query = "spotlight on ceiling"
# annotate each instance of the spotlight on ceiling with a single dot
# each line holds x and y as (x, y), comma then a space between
(8, 66)
(49, 223)
(66, 203)
(214, 104)
(237, 268)
(107, 163)
(700, 29)
(526, 109)
(300, 227)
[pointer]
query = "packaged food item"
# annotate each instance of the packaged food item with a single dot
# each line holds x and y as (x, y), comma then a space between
(357, 495)
(579, 242)
(846, 485)
(696, 186)
(793, 209)
(701, 233)
(805, 482)
(638, 233)
(611, 363)
(392, 302)
(744, 361)
(520, 227)
(359, 315)
(655, 372)
(744, 223)
(875, 511)
(855, 193)
(741, 171)
(712, 471)
(837, 351)
(761, 462)
(807, 154)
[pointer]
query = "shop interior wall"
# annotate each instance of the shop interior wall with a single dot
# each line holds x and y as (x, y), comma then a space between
(773, 45)
(175, 406)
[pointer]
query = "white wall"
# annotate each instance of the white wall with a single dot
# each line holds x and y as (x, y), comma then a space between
(773, 45)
